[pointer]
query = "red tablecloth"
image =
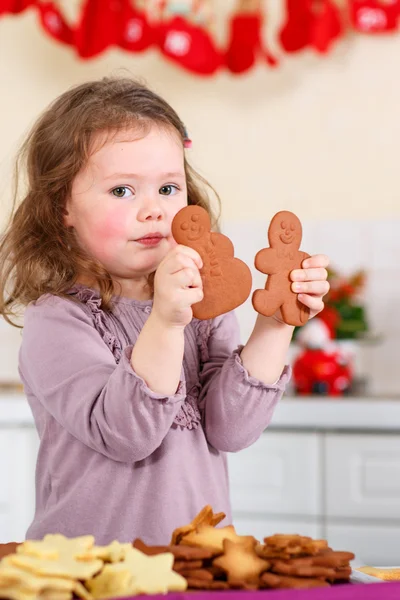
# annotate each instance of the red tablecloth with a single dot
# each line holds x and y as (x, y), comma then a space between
(372, 591)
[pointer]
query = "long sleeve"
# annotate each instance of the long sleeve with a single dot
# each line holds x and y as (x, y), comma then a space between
(68, 367)
(236, 407)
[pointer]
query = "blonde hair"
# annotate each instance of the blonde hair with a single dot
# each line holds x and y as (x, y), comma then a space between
(38, 253)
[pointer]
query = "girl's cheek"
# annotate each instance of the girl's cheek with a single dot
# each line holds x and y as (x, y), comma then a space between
(113, 225)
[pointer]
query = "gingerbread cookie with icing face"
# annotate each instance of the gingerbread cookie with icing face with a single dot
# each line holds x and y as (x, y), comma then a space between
(277, 261)
(226, 279)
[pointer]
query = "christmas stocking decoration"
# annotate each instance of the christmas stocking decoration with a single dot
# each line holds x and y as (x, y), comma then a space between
(15, 6)
(245, 43)
(372, 16)
(137, 34)
(187, 42)
(54, 23)
(326, 25)
(100, 26)
(295, 34)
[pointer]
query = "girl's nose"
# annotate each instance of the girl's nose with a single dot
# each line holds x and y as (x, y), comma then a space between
(150, 211)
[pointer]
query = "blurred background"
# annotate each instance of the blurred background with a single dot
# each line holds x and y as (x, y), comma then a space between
(291, 105)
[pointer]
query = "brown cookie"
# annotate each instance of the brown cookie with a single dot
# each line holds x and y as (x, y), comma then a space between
(181, 565)
(333, 558)
(277, 261)
(341, 574)
(181, 553)
(269, 580)
(301, 582)
(298, 561)
(216, 572)
(285, 568)
(9, 548)
(226, 279)
(272, 580)
(244, 585)
(197, 574)
(201, 584)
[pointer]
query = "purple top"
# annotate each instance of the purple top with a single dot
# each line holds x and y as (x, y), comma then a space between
(117, 460)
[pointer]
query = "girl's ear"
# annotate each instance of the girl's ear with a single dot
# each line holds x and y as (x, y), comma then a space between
(66, 215)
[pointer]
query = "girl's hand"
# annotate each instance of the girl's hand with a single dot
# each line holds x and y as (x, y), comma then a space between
(177, 285)
(310, 282)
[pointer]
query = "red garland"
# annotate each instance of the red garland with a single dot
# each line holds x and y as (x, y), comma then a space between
(315, 24)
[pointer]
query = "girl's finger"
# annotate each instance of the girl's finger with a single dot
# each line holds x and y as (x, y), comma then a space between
(314, 303)
(188, 278)
(309, 274)
(317, 260)
(180, 261)
(194, 295)
(317, 288)
(195, 256)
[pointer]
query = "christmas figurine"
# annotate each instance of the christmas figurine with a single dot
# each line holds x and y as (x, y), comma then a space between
(320, 367)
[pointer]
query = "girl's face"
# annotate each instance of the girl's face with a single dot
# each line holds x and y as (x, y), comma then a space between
(123, 201)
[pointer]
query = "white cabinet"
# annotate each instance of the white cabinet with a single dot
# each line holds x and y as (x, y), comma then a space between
(275, 485)
(18, 452)
(362, 476)
(344, 487)
(377, 545)
(278, 474)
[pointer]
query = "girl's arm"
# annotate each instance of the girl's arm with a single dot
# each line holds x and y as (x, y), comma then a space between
(66, 365)
(240, 390)
(266, 350)
(236, 406)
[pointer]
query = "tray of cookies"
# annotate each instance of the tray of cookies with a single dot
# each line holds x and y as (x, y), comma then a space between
(199, 557)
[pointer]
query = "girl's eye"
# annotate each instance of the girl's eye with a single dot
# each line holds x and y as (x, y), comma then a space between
(168, 190)
(121, 192)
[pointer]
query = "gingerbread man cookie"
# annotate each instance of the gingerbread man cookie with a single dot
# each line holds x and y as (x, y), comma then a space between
(226, 280)
(284, 235)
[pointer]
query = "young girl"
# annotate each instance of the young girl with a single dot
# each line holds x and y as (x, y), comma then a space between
(136, 402)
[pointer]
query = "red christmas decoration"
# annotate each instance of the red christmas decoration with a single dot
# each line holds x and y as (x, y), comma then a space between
(314, 23)
(100, 26)
(245, 41)
(136, 35)
(326, 25)
(319, 372)
(54, 23)
(295, 33)
(15, 6)
(320, 368)
(189, 44)
(372, 16)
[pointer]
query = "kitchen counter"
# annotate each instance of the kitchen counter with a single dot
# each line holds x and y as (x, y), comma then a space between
(307, 413)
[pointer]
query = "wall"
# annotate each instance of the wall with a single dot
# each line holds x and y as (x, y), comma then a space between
(320, 136)
(317, 136)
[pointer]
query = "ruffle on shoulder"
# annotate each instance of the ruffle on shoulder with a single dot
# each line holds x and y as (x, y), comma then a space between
(93, 301)
(189, 414)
